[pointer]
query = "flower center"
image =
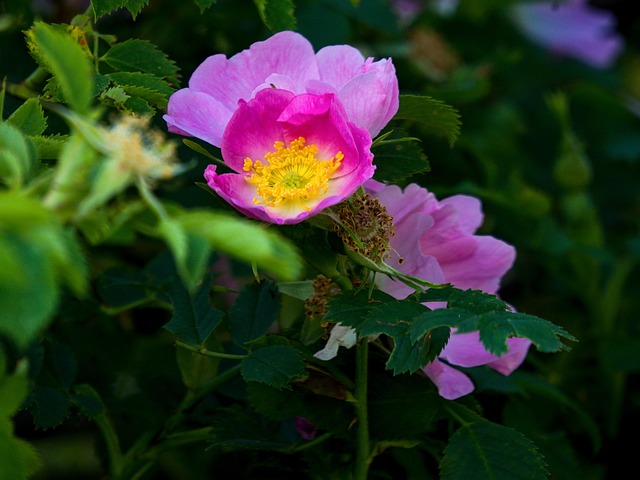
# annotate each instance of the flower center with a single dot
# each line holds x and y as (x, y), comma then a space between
(293, 174)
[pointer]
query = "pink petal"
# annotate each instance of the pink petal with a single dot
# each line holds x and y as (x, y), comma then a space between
(337, 64)
(321, 121)
(483, 270)
(451, 383)
(470, 216)
(253, 129)
(518, 349)
(466, 350)
(197, 115)
(285, 53)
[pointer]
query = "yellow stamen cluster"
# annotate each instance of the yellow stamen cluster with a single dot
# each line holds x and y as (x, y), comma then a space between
(291, 174)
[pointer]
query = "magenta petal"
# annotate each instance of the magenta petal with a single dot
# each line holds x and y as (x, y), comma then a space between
(197, 115)
(253, 129)
(451, 383)
(321, 121)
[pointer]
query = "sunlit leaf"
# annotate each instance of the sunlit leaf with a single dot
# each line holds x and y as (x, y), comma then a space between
(66, 60)
(137, 55)
(29, 118)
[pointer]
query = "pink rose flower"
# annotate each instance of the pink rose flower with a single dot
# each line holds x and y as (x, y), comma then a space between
(293, 156)
(368, 90)
(571, 28)
(437, 242)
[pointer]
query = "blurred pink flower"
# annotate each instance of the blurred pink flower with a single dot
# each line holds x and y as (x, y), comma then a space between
(293, 156)
(437, 242)
(368, 90)
(571, 28)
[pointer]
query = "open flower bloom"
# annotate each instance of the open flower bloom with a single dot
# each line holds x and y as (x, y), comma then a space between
(368, 90)
(571, 28)
(437, 242)
(292, 156)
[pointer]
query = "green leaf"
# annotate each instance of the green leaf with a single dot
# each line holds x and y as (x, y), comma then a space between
(245, 240)
(484, 450)
(235, 427)
(401, 407)
(66, 60)
(277, 15)
(275, 366)
(441, 317)
(17, 156)
(13, 388)
(204, 4)
(103, 7)
(18, 458)
(49, 406)
(398, 157)
(190, 251)
(496, 327)
(29, 118)
(436, 117)
(300, 290)
(255, 309)
(37, 256)
(350, 310)
(476, 301)
(148, 87)
(392, 318)
(194, 318)
(49, 147)
(407, 357)
(137, 55)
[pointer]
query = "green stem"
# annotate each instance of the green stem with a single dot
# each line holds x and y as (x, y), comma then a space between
(363, 448)
(203, 351)
(116, 459)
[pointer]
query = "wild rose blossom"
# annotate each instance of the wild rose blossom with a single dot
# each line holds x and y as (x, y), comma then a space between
(295, 127)
(571, 28)
(436, 241)
(368, 90)
(293, 156)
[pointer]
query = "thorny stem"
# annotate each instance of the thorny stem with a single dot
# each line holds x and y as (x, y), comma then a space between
(209, 353)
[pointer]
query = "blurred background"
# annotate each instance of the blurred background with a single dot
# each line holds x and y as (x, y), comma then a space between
(549, 98)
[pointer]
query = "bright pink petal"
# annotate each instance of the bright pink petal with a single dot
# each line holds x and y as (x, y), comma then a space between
(253, 129)
(198, 115)
(321, 121)
(451, 383)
